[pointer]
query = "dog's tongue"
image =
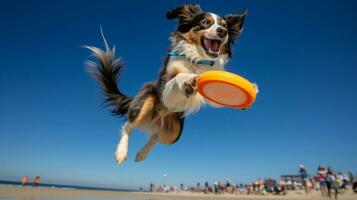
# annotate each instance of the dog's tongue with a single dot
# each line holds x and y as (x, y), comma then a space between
(212, 45)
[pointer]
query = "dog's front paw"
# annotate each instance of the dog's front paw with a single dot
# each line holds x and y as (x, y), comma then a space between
(121, 153)
(190, 86)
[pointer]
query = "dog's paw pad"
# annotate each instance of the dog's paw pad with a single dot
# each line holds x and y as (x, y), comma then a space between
(190, 86)
(193, 81)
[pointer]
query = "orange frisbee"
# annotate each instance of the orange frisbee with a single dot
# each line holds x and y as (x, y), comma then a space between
(227, 89)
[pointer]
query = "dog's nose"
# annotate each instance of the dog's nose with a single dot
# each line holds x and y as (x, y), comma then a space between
(221, 32)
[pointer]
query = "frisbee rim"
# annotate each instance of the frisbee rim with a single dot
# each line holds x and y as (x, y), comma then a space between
(231, 79)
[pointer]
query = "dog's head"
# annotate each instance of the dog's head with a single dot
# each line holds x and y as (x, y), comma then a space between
(204, 35)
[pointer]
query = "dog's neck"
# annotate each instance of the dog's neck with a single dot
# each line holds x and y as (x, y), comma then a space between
(196, 55)
(202, 62)
(192, 67)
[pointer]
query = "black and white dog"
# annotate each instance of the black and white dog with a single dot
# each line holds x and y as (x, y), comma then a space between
(201, 42)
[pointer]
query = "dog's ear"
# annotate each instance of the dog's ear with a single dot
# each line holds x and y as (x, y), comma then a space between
(184, 13)
(235, 24)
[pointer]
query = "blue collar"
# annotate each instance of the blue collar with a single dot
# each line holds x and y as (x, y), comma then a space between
(202, 62)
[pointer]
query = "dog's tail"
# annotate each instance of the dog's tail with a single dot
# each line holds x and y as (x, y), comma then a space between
(107, 73)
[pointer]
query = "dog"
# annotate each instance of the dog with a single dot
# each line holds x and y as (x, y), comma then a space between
(203, 41)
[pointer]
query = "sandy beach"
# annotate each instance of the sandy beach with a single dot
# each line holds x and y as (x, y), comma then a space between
(18, 192)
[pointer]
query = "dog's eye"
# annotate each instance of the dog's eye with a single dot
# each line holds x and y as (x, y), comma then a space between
(204, 22)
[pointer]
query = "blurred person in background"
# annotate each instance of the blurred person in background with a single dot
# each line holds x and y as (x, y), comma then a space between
(25, 180)
(321, 178)
(304, 175)
(331, 182)
(36, 181)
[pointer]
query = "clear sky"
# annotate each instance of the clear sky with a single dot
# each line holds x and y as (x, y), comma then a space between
(301, 53)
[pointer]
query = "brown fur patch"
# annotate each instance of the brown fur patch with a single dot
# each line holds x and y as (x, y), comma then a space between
(223, 23)
(146, 110)
(174, 70)
(222, 49)
(193, 37)
(170, 128)
(210, 19)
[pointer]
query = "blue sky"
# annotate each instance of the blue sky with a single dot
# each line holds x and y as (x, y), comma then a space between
(301, 53)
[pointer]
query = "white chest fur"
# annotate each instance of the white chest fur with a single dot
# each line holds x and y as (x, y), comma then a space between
(174, 96)
(186, 66)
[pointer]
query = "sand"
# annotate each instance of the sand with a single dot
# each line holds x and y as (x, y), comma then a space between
(41, 193)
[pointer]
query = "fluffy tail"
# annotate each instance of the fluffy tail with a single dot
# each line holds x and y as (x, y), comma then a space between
(107, 73)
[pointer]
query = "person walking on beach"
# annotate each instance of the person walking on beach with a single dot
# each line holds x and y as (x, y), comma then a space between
(331, 182)
(352, 181)
(304, 178)
(36, 181)
(351, 177)
(321, 178)
(220, 188)
(235, 189)
(152, 187)
(206, 187)
(228, 186)
(25, 180)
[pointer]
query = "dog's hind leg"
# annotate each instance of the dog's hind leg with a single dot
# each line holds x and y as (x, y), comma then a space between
(144, 152)
(121, 152)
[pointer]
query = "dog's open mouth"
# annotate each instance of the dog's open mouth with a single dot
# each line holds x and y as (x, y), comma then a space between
(211, 46)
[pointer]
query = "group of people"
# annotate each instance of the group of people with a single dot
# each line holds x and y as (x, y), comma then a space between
(26, 181)
(258, 187)
(326, 180)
